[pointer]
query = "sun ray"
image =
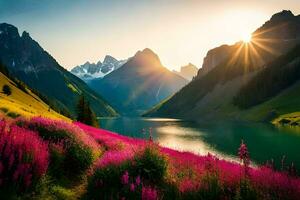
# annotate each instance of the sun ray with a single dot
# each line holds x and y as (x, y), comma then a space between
(259, 32)
(236, 54)
(257, 60)
(267, 49)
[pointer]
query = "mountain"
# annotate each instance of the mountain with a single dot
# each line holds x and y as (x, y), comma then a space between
(139, 84)
(89, 71)
(188, 71)
(272, 39)
(22, 100)
(226, 69)
(29, 62)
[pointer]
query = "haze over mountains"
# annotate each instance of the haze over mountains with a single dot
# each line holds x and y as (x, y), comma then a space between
(29, 62)
(89, 71)
(139, 84)
(216, 89)
(188, 71)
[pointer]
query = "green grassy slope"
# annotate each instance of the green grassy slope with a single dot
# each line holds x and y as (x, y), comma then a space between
(25, 104)
(284, 103)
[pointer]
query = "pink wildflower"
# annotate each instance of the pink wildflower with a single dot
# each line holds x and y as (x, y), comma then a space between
(132, 187)
(149, 193)
(244, 156)
(125, 178)
(138, 180)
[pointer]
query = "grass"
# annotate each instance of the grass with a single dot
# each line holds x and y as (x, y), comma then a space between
(281, 106)
(73, 88)
(25, 104)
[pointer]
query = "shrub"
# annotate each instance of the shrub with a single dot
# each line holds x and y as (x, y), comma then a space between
(13, 115)
(115, 182)
(151, 164)
(128, 174)
(3, 109)
(24, 158)
(105, 182)
(6, 90)
(77, 149)
(61, 193)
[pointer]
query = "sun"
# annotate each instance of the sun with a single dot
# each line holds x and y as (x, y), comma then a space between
(247, 38)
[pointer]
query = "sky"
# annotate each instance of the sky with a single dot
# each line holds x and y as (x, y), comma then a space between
(179, 31)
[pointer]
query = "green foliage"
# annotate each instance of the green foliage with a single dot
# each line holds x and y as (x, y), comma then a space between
(3, 109)
(13, 115)
(150, 164)
(105, 183)
(279, 75)
(85, 114)
(213, 188)
(22, 86)
(6, 90)
(4, 70)
(246, 191)
(57, 160)
(78, 159)
(61, 193)
(69, 156)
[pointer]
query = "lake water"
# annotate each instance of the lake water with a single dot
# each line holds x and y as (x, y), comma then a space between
(264, 141)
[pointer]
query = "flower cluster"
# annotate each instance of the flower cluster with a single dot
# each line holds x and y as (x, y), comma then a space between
(149, 193)
(24, 156)
(135, 188)
(191, 174)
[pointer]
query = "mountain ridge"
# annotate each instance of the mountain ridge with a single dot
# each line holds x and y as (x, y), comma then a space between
(239, 65)
(139, 84)
(89, 71)
(29, 62)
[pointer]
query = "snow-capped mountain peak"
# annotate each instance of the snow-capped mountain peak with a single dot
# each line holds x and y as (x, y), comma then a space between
(89, 71)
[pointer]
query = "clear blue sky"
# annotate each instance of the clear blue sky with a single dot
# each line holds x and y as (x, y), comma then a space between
(179, 31)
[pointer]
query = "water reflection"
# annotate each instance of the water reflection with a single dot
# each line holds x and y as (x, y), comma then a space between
(265, 142)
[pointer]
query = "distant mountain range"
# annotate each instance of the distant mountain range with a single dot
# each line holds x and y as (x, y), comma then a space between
(251, 81)
(29, 62)
(139, 84)
(89, 71)
(188, 71)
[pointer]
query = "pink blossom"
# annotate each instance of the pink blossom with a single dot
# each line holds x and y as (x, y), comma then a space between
(24, 155)
(125, 178)
(149, 193)
(132, 187)
(138, 180)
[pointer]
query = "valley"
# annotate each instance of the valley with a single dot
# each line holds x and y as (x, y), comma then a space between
(150, 126)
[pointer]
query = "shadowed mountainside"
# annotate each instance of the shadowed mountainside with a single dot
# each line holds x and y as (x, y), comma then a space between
(139, 84)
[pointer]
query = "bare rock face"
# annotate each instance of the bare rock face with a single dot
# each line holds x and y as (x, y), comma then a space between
(213, 58)
(188, 71)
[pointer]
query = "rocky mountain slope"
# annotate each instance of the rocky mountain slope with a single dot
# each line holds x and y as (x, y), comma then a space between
(29, 62)
(139, 84)
(211, 95)
(188, 71)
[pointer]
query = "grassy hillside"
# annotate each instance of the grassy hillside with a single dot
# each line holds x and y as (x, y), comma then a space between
(276, 77)
(25, 104)
(284, 103)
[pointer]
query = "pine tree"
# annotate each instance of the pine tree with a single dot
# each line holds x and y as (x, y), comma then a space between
(85, 114)
(6, 90)
(81, 109)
